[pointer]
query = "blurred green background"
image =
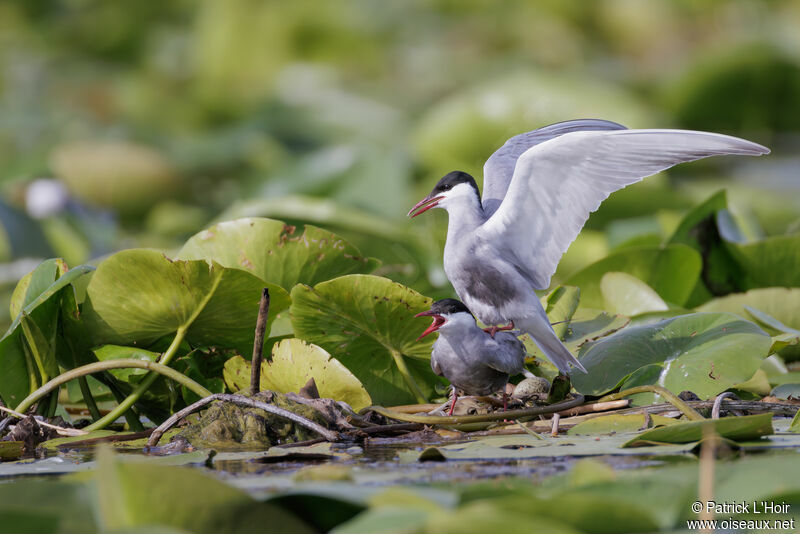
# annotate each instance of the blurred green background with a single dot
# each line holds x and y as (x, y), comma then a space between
(136, 124)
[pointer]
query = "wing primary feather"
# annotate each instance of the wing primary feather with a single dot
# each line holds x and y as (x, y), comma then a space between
(557, 183)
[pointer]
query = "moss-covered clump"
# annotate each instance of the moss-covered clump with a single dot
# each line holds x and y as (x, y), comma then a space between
(225, 426)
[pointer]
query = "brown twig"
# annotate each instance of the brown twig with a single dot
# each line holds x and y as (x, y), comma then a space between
(329, 435)
(59, 429)
(258, 343)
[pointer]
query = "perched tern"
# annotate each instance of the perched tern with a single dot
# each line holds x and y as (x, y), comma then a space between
(472, 360)
(539, 188)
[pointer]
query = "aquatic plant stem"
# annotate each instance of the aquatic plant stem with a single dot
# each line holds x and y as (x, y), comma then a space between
(258, 342)
(400, 361)
(673, 399)
(145, 384)
(97, 367)
(88, 399)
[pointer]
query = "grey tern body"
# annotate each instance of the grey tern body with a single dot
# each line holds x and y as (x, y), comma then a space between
(472, 360)
(539, 189)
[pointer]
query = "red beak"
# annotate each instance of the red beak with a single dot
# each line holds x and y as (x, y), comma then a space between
(438, 321)
(424, 205)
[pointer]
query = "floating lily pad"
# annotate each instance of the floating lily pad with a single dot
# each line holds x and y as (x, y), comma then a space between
(524, 446)
(705, 353)
(742, 428)
(627, 295)
(590, 325)
(29, 347)
(293, 363)
(367, 323)
(616, 423)
(138, 296)
(776, 309)
(277, 252)
(672, 271)
(781, 303)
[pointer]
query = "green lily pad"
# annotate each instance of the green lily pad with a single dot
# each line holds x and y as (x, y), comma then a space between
(519, 447)
(781, 303)
(770, 262)
(706, 353)
(138, 296)
(184, 498)
(742, 428)
(277, 252)
(367, 323)
(672, 271)
(560, 305)
(28, 349)
(617, 423)
(776, 309)
(294, 362)
(590, 325)
(626, 294)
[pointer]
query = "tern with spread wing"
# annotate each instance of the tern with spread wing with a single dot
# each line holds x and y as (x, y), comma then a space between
(472, 360)
(539, 189)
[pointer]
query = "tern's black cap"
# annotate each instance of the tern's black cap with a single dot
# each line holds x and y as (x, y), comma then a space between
(449, 307)
(452, 179)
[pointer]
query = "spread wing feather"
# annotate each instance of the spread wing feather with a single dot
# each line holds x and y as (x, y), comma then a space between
(499, 168)
(556, 184)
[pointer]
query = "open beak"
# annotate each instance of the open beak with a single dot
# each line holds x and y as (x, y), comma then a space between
(424, 205)
(438, 321)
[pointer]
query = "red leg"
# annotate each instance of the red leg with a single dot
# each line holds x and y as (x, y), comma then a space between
(453, 402)
(492, 330)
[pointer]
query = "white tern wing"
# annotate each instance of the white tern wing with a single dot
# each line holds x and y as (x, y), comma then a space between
(499, 168)
(558, 183)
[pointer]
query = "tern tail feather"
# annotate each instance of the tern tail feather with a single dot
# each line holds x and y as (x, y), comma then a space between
(542, 334)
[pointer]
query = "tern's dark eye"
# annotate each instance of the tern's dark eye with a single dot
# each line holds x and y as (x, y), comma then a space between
(446, 187)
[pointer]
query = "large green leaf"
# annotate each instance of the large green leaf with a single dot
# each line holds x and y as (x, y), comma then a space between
(742, 428)
(138, 296)
(626, 294)
(277, 252)
(294, 362)
(705, 353)
(28, 349)
(131, 494)
(672, 271)
(770, 262)
(782, 304)
(367, 323)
